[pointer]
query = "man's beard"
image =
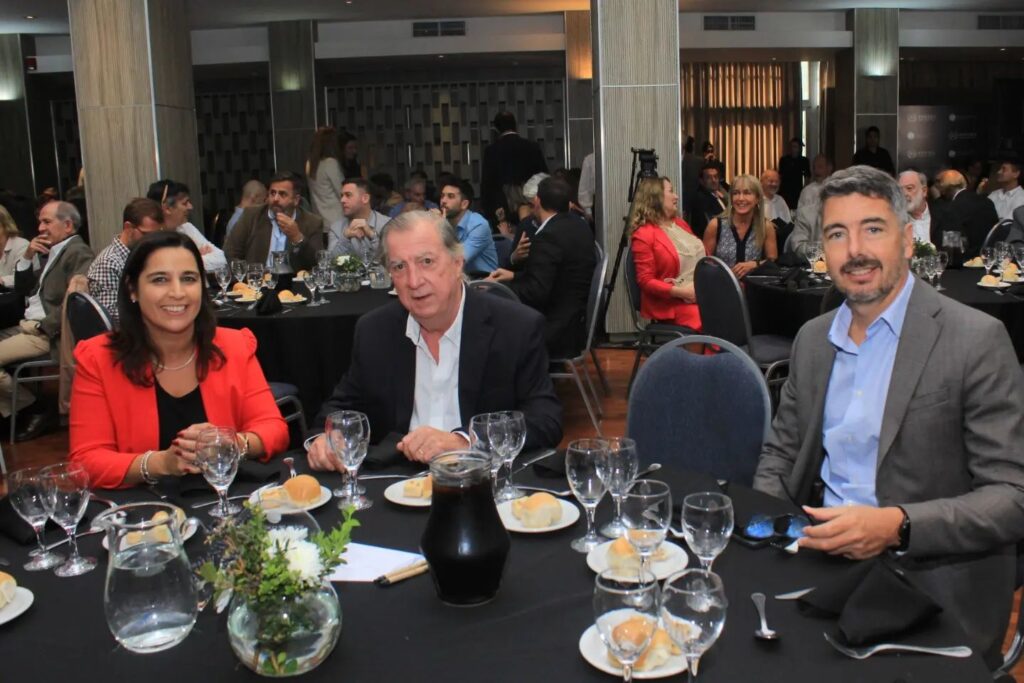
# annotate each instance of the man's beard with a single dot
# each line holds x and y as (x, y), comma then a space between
(869, 296)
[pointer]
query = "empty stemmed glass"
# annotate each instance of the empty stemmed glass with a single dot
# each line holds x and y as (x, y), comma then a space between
(814, 254)
(616, 602)
(270, 277)
(647, 514)
(693, 606)
(239, 270)
(1018, 253)
(324, 277)
(254, 277)
(223, 276)
(323, 258)
(581, 463)
(941, 261)
(348, 435)
(506, 432)
(988, 257)
(27, 491)
(617, 471)
(480, 440)
(217, 455)
(67, 492)
(707, 525)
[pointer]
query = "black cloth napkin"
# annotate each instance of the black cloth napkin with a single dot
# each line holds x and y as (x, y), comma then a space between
(18, 530)
(767, 268)
(248, 471)
(269, 304)
(874, 600)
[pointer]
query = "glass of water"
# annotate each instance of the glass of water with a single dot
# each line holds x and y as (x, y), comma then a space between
(582, 458)
(941, 261)
(67, 491)
(239, 269)
(707, 525)
(217, 455)
(626, 615)
(312, 281)
(617, 471)
(506, 432)
(479, 440)
(348, 435)
(647, 514)
(27, 491)
(223, 275)
(693, 606)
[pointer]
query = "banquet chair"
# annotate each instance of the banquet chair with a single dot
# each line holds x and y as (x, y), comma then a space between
(577, 365)
(833, 299)
(999, 232)
(723, 313)
(288, 395)
(496, 288)
(706, 413)
(86, 317)
(21, 374)
(650, 335)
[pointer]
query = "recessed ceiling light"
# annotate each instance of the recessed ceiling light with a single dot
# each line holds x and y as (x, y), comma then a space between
(30, 17)
(1002, 49)
(440, 56)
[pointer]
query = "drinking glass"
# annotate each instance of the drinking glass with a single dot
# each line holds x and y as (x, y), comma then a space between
(217, 455)
(930, 268)
(323, 278)
(27, 491)
(693, 606)
(616, 602)
(1018, 253)
(814, 253)
(67, 493)
(988, 257)
(479, 440)
(1003, 254)
(239, 269)
(581, 462)
(506, 432)
(270, 277)
(223, 276)
(941, 261)
(348, 435)
(323, 258)
(647, 514)
(254, 276)
(617, 471)
(707, 525)
(312, 281)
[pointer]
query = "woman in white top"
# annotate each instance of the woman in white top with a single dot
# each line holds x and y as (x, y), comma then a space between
(12, 246)
(324, 174)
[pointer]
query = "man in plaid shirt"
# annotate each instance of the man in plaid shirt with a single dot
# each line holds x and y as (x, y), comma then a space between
(141, 216)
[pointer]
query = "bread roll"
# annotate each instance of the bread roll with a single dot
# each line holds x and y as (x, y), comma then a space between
(7, 586)
(537, 511)
(302, 490)
(989, 280)
(975, 262)
(288, 295)
(302, 275)
(418, 487)
(657, 652)
(819, 266)
(622, 557)
(242, 288)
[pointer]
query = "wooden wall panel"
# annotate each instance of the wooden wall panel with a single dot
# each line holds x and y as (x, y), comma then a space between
(876, 57)
(292, 91)
(634, 38)
(579, 87)
(109, 47)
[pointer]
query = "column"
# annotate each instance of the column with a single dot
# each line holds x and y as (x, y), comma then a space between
(579, 88)
(16, 160)
(636, 73)
(136, 103)
(874, 74)
(292, 92)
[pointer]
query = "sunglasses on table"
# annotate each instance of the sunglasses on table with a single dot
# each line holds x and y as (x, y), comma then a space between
(780, 530)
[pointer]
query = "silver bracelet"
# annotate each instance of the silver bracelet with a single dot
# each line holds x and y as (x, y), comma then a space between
(144, 468)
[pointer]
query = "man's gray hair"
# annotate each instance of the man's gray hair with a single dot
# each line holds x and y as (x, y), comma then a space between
(867, 181)
(66, 211)
(921, 177)
(406, 221)
(531, 185)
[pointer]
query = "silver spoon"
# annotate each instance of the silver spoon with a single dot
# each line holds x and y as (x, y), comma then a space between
(763, 633)
(290, 462)
(653, 467)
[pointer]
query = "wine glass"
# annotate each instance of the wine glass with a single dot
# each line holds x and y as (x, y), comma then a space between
(348, 435)
(312, 281)
(323, 258)
(239, 269)
(988, 257)
(617, 471)
(506, 432)
(581, 462)
(479, 440)
(217, 455)
(693, 606)
(27, 491)
(647, 514)
(223, 276)
(269, 277)
(1018, 253)
(254, 276)
(616, 602)
(930, 268)
(323, 276)
(67, 493)
(707, 525)
(1004, 252)
(941, 261)
(814, 253)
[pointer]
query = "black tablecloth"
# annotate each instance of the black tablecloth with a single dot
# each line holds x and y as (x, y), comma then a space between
(530, 632)
(12, 309)
(308, 347)
(777, 310)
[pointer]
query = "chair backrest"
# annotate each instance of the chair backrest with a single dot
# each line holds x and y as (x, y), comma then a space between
(707, 413)
(632, 287)
(833, 299)
(86, 317)
(722, 305)
(503, 245)
(596, 294)
(999, 232)
(493, 287)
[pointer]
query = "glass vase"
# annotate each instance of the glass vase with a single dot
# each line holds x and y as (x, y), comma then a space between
(287, 636)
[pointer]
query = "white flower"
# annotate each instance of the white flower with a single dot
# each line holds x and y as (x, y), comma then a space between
(285, 536)
(342, 260)
(304, 557)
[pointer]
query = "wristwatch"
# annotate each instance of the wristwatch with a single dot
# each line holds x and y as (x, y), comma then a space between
(904, 533)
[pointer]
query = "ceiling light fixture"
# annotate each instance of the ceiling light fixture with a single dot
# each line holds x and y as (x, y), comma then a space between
(440, 56)
(30, 17)
(1002, 49)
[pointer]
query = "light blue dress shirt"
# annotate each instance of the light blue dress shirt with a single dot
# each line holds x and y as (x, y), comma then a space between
(234, 219)
(855, 402)
(477, 244)
(278, 240)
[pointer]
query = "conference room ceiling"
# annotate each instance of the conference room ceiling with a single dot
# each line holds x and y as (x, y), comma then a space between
(50, 16)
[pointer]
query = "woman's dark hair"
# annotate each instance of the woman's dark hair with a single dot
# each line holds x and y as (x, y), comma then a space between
(131, 344)
(325, 145)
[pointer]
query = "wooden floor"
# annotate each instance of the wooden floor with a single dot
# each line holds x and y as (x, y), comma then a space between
(616, 364)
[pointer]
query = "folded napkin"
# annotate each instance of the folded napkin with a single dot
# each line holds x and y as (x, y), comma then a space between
(18, 530)
(269, 304)
(874, 600)
(248, 471)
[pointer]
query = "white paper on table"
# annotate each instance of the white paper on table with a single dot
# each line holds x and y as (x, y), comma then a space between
(367, 562)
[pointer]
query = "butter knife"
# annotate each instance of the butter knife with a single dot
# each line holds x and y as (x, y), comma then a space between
(794, 595)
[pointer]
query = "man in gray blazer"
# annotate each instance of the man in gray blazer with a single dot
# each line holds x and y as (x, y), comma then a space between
(900, 426)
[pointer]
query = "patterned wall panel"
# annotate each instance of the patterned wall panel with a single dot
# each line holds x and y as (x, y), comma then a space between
(64, 118)
(445, 126)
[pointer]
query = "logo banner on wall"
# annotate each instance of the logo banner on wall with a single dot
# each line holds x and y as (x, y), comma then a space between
(933, 138)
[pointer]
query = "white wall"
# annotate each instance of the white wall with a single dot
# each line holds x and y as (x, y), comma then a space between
(952, 29)
(773, 30)
(230, 46)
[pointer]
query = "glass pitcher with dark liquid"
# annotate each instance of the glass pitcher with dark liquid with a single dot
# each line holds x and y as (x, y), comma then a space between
(464, 543)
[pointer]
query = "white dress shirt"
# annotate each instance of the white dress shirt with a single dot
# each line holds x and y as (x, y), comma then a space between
(13, 251)
(588, 185)
(436, 397)
(808, 194)
(1006, 202)
(922, 226)
(212, 260)
(776, 208)
(34, 306)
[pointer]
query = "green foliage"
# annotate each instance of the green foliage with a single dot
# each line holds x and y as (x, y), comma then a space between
(923, 249)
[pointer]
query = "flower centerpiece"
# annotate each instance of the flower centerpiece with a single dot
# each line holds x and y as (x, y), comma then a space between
(350, 272)
(922, 249)
(284, 617)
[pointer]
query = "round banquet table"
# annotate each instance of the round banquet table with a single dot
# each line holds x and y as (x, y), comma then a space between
(308, 347)
(774, 309)
(529, 632)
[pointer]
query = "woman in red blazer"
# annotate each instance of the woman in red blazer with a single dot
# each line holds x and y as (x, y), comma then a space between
(143, 393)
(665, 252)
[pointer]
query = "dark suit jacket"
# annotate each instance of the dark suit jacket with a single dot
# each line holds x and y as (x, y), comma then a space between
(1017, 230)
(705, 208)
(949, 451)
(969, 213)
(250, 238)
(690, 182)
(793, 173)
(502, 366)
(74, 259)
(509, 160)
(555, 280)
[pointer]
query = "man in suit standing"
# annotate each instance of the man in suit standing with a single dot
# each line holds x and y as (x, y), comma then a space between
(425, 365)
(898, 428)
(964, 211)
(42, 275)
(794, 171)
(873, 155)
(509, 160)
(556, 279)
(279, 225)
(710, 201)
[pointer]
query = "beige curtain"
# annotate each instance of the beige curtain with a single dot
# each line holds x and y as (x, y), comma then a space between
(748, 111)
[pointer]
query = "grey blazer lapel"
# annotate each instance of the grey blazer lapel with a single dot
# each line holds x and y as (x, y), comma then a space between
(814, 447)
(918, 336)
